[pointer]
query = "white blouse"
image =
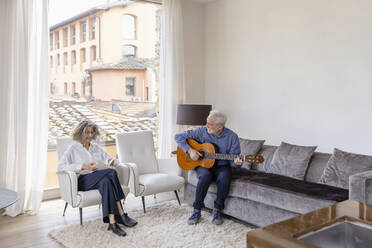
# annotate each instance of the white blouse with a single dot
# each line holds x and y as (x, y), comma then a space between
(76, 155)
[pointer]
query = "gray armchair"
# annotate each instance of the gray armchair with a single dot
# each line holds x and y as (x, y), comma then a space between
(68, 182)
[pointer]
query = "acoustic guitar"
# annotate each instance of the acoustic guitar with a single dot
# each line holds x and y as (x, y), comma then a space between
(208, 156)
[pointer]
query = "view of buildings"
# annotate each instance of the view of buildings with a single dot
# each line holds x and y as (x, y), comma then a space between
(104, 67)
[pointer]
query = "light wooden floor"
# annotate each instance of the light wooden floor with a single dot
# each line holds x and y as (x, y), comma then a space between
(32, 231)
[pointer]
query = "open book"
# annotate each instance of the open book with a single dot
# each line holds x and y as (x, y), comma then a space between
(98, 166)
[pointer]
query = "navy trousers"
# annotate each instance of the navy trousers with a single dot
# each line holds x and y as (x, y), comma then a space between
(108, 185)
(222, 176)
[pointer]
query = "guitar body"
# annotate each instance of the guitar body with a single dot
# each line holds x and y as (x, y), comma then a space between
(186, 163)
(209, 156)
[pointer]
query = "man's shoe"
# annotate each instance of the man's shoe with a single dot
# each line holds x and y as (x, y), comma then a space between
(217, 217)
(195, 217)
(125, 220)
(116, 229)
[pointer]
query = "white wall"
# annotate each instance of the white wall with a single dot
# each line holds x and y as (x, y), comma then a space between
(193, 20)
(291, 70)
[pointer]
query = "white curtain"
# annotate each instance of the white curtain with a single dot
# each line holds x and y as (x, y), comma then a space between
(172, 85)
(24, 92)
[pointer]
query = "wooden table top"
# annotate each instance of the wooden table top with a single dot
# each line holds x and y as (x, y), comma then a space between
(285, 234)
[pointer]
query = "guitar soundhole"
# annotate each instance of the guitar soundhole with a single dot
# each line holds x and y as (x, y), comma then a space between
(202, 154)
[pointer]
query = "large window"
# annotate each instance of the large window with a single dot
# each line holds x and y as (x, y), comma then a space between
(129, 27)
(83, 72)
(73, 34)
(128, 51)
(130, 86)
(83, 31)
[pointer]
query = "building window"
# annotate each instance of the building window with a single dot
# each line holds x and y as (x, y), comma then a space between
(93, 53)
(83, 88)
(66, 89)
(73, 57)
(83, 31)
(58, 60)
(65, 37)
(93, 28)
(128, 51)
(65, 59)
(130, 86)
(57, 39)
(51, 41)
(129, 27)
(82, 55)
(73, 88)
(51, 61)
(73, 34)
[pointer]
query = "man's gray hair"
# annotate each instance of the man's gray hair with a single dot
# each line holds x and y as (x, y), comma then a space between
(220, 117)
(80, 131)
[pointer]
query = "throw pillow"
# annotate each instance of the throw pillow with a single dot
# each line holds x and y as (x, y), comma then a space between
(249, 147)
(341, 165)
(291, 160)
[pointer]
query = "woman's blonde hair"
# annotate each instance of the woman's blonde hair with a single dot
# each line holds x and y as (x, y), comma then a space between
(80, 131)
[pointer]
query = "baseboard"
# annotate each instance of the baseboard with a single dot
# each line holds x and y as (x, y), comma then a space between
(51, 193)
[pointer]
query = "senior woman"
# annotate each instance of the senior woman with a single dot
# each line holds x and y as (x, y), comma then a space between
(85, 157)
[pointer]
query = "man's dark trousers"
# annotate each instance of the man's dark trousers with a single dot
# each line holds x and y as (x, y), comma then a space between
(222, 175)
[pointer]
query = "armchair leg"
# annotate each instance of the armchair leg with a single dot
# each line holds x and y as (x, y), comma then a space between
(178, 199)
(64, 210)
(143, 204)
(81, 216)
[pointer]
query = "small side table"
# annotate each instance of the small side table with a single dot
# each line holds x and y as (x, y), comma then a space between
(7, 197)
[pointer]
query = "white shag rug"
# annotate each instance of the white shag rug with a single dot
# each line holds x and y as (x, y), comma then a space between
(163, 225)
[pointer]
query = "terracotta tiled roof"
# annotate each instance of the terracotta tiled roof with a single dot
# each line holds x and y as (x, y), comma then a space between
(65, 115)
(126, 64)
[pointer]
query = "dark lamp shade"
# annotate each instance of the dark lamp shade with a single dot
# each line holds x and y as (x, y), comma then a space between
(192, 114)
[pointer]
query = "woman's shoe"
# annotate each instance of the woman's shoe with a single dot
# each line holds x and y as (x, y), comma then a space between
(125, 220)
(115, 228)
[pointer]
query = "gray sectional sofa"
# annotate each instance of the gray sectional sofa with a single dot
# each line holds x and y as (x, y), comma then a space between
(261, 198)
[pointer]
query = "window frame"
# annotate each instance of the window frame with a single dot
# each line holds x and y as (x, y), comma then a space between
(134, 28)
(123, 55)
(83, 31)
(134, 86)
(73, 34)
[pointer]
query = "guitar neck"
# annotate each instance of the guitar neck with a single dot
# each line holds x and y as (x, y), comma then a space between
(220, 156)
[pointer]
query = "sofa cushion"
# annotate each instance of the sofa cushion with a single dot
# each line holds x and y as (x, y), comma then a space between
(249, 147)
(267, 152)
(291, 160)
(280, 191)
(341, 165)
(316, 166)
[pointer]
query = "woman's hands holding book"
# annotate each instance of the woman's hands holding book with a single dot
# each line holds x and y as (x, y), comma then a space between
(89, 166)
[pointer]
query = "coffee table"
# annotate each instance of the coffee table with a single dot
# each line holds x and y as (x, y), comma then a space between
(345, 224)
(7, 197)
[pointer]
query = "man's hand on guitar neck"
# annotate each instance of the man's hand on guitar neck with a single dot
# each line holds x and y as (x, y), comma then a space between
(238, 160)
(194, 154)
